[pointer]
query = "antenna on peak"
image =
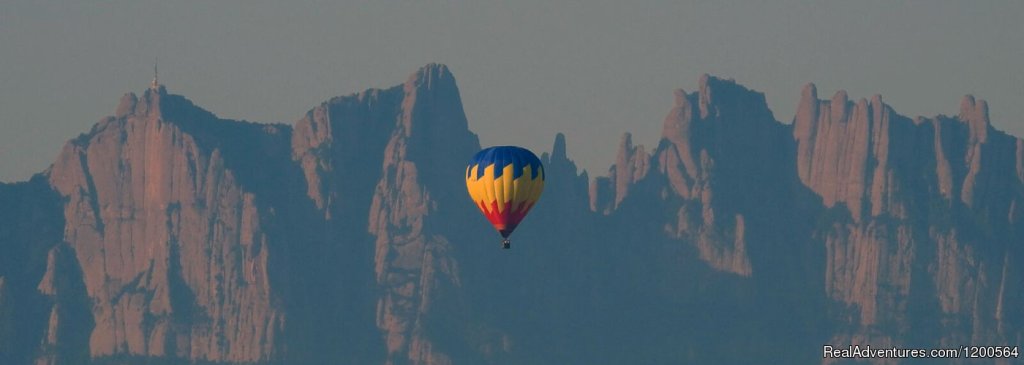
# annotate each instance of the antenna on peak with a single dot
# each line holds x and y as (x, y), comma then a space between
(156, 77)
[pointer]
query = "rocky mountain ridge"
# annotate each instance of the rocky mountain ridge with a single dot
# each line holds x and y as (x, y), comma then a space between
(167, 234)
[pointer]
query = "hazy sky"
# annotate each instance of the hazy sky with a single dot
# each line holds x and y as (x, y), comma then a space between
(527, 69)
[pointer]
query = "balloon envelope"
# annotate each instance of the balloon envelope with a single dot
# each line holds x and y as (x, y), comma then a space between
(505, 182)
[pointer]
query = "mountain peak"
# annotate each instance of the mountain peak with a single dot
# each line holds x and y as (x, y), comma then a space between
(838, 105)
(967, 102)
(809, 92)
(975, 114)
(677, 124)
(626, 141)
(972, 110)
(718, 95)
(127, 105)
(876, 101)
(840, 98)
(680, 98)
(558, 150)
(429, 90)
(806, 111)
(704, 78)
(131, 104)
(710, 83)
(430, 75)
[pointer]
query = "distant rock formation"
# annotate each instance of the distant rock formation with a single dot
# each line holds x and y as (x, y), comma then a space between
(930, 246)
(167, 234)
(163, 218)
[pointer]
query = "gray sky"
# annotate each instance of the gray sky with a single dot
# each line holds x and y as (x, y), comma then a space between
(527, 69)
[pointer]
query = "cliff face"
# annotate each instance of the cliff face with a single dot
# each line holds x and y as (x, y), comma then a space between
(716, 215)
(424, 158)
(167, 234)
(929, 249)
(380, 167)
(878, 229)
(163, 218)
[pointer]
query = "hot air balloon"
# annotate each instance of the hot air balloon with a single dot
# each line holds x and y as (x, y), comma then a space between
(505, 182)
